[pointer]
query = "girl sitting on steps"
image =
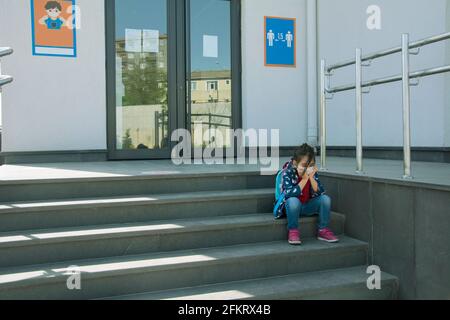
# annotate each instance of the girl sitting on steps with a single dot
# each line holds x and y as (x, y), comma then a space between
(304, 196)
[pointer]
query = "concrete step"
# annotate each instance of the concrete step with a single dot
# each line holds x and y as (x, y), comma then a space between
(53, 245)
(162, 271)
(48, 214)
(147, 183)
(339, 284)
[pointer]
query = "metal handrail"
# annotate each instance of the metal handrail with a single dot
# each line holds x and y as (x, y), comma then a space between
(210, 114)
(405, 77)
(388, 52)
(5, 51)
(396, 78)
(5, 80)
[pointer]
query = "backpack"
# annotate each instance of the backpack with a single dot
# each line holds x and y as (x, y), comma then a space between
(279, 195)
(279, 184)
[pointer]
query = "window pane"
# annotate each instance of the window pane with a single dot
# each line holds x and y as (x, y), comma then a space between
(141, 74)
(209, 106)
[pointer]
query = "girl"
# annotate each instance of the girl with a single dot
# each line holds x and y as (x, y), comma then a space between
(305, 195)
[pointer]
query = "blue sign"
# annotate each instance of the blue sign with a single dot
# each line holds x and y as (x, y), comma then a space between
(280, 42)
(54, 27)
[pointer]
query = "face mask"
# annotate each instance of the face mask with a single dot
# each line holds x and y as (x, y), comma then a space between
(301, 169)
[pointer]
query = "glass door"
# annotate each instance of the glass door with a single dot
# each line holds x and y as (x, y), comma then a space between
(170, 64)
(209, 78)
(143, 115)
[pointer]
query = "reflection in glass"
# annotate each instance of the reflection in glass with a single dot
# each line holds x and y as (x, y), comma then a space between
(209, 72)
(141, 74)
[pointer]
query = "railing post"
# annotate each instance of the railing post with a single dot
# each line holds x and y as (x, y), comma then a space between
(358, 86)
(406, 108)
(0, 76)
(323, 119)
(157, 142)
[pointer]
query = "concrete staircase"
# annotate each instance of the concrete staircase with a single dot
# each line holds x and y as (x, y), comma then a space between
(171, 236)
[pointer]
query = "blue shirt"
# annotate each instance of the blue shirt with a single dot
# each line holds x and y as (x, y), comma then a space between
(54, 24)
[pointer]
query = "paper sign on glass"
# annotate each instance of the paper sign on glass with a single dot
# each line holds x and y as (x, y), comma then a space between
(210, 46)
(133, 40)
(150, 41)
(53, 27)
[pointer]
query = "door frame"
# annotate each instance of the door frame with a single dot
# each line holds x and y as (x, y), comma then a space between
(177, 91)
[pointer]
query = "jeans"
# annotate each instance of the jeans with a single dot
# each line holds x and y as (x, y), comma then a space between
(295, 209)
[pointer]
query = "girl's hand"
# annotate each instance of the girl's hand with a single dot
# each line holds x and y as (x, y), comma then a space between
(314, 171)
(303, 172)
(314, 183)
(306, 177)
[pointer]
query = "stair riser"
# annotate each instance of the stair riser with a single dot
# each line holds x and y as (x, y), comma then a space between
(100, 215)
(124, 187)
(201, 273)
(187, 239)
(388, 291)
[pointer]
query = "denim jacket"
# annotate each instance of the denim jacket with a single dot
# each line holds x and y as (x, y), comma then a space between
(291, 187)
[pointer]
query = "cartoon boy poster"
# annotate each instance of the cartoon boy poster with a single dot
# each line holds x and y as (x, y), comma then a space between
(53, 29)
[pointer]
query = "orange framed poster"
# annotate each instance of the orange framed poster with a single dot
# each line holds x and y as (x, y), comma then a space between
(53, 26)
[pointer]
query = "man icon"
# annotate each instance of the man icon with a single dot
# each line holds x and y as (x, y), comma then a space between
(289, 39)
(270, 37)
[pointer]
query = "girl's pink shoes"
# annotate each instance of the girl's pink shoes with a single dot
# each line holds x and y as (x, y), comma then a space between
(327, 235)
(324, 235)
(294, 237)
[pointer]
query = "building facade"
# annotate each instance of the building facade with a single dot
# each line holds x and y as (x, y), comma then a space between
(119, 99)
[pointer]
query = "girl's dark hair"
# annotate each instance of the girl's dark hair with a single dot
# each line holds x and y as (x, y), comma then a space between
(305, 150)
(53, 5)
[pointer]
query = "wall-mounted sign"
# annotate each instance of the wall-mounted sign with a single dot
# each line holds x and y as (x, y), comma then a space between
(280, 42)
(53, 28)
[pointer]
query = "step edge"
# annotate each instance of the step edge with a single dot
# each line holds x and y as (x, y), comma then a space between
(198, 197)
(385, 278)
(180, 175)
(263, 221)
(347, 248)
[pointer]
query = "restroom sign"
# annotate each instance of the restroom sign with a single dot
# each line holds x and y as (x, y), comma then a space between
(280, 42)
(54, 27)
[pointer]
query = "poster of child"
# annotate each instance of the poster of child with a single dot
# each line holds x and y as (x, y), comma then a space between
(52, 34)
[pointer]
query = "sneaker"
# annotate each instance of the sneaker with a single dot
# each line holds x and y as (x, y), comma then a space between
(327, 235)
(294, 237)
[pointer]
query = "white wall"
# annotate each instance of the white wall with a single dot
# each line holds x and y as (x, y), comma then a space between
(447, 85)
(342, 28)
(274, 98)
(54, 103)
